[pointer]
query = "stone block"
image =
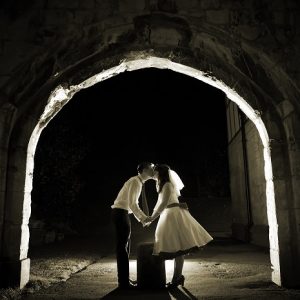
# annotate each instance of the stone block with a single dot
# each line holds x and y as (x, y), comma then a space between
(272, 128)
(1, 46)
(58, 17)
(275, 265)
(285, 108)
(295, 162)
(18, 208)
(8, 63)
(292, 4)
(2, 201)
(279, 167)
(165, 36)
(16, 240)
(129, 6)
(281, 190)
(7, 113)
(66, 4)
(113, 35)
(289, 263)
(258, 202)
(25, 272)
(105, 8)
(16, 177)
(277, 4)
(3, 160)
(279, 17)
(296, 192)
(25, 234)
(218, 17)
(186, 5)
(4, 78)
(86, 4)
(211, 4)
(249, 33)
(83, 17)
(151, 271)
(292, 128)
(285, 230)
(3, 25)
(297, 218)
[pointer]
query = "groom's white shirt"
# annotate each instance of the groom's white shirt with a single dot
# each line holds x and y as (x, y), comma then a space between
(128, 198)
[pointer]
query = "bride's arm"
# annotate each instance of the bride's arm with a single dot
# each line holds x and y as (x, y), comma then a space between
(159, 207)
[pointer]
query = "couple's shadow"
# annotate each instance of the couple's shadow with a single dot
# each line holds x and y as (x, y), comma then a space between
(157, 294)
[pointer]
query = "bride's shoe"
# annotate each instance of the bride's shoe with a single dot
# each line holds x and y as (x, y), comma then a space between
(133, 282)
(179, 281)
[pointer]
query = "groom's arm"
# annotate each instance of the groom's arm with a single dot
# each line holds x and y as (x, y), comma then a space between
(133, 195)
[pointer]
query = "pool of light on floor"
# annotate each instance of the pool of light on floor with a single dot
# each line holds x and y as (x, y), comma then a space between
(169, 265)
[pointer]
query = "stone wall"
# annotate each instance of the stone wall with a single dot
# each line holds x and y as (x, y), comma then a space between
(250, 221)
(42, 32)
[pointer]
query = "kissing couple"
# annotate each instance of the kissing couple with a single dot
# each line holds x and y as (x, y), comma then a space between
(177, 232)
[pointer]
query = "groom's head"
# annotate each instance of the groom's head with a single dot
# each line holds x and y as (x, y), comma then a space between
(146, 168)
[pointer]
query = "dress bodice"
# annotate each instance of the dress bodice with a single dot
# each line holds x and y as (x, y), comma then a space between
(165, 197)
(169, 192)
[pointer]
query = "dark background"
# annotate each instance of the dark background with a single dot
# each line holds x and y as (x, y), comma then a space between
(94, 144)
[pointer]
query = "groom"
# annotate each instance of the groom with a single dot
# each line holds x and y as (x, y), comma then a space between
(125, 204)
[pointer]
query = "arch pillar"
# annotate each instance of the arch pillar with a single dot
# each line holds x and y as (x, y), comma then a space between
(283, 127)
(289, 209)
(15, 265)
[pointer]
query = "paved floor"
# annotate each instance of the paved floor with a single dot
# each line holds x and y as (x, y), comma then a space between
(224, 269)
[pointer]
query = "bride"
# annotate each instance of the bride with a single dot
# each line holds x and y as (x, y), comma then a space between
(177, 232)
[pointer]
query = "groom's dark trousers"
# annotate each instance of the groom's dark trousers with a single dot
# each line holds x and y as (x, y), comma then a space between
(122, 225)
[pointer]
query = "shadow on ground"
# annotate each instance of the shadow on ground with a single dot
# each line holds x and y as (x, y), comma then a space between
(180, 294)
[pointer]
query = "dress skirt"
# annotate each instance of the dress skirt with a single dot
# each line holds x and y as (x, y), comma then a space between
(178, 233)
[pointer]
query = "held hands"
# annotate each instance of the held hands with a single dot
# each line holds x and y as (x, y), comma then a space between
(147, 221)
(150, 219)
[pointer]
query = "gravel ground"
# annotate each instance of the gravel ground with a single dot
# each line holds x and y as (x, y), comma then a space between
(55, 263)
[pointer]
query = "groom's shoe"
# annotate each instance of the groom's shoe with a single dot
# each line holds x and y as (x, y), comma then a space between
(128, 286)
(179, 281)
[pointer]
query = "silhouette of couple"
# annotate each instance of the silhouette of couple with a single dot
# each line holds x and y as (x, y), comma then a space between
(177, 232)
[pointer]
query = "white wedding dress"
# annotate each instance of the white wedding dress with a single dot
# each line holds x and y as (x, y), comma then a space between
(177, 231)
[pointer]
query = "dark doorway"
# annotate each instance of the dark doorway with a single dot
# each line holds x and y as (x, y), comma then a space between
(96, 141)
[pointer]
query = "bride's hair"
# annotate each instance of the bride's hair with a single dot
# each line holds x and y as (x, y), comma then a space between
(163, 175)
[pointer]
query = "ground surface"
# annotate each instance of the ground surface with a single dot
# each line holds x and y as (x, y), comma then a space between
(86, 269)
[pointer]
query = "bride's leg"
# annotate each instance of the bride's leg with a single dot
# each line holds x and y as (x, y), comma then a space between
(178, 266)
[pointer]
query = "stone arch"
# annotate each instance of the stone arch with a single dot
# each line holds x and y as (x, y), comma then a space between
(61, 95)
(176, 49)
